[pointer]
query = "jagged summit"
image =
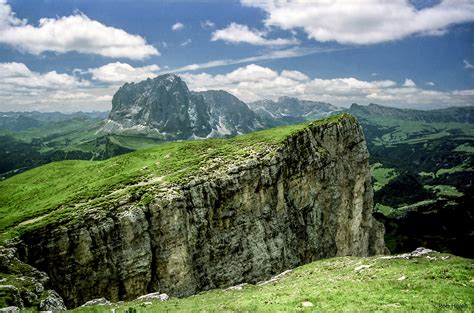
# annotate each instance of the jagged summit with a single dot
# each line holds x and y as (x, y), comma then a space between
(164, 107)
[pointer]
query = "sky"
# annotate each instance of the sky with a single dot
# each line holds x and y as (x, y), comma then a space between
(72, 55)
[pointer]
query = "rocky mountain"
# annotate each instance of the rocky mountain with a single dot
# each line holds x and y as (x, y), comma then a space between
(165, 108)
(191, 216)
(456, 114)
(228, 115)
(291, 110)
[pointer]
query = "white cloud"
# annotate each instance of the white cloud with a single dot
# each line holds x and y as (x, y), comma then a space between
(7, 16)
(468, 65)
(364, 21)
(178, 26)
(237, 33)
(430, 83)
(71, 33)
(118, 72)
(207, 24)
(295, 75)
(409, 83)
(272, 55)
(17, 76)
(106, 98)
(254, 82)
(186, 42)
(22, 89)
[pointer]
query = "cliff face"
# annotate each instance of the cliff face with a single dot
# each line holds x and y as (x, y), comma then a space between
(309, 199)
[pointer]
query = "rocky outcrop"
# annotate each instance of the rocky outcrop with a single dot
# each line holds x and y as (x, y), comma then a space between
(165, 108)
(245, 221)
(23, 286)
(228, 116)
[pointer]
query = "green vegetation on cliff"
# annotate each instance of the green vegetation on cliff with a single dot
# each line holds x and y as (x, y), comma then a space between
(61, 189)
(431, 283)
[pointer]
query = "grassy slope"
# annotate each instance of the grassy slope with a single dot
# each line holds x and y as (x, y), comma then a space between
(59, 187)
(410, 132)
(334, 285)
(382, 175)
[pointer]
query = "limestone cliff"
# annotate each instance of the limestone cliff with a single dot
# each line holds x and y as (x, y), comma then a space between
(308, 199)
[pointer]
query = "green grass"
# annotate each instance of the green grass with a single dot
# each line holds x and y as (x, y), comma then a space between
(412, 132)
(384, 209)
(62, 190)
(333, 285)
(464, 148)
(382, 175)
(461, 168)
(445, 190)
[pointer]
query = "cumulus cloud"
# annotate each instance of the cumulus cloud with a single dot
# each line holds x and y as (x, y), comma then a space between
(430, 83)
(17, 76)
(364, 22)
(237, 33)
(118, 72)
(468, 65)
(71, 33)
(409, 83)
(176, 27)
(254, 82)
(22, 89)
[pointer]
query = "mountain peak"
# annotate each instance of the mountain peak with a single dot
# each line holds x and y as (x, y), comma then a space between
(164, 107)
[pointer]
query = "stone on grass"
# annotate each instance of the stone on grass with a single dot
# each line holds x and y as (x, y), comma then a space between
(52, 302)
(307, 304)
(155, 295)
(10, 309)
(99, 301)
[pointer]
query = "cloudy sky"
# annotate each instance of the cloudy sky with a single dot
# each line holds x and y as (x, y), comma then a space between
(71, 55)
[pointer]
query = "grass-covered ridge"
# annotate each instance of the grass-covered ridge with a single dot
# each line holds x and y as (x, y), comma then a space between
(434, 283)
(56, 190)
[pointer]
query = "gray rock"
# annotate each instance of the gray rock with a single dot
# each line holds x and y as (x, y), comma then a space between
(52, 302)
(417, 253)
(274, 278)
(236, 287)
(10, 309)
(99, 301)
(155, 295)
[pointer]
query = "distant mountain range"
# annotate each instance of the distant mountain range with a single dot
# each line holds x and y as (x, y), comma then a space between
(18, 121)
(455, 114)
(287, 110)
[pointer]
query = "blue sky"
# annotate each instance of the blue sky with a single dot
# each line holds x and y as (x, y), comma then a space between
(73, 55)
